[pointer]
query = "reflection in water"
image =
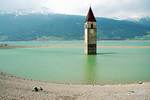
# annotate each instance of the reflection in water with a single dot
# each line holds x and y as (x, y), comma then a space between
(90, 69)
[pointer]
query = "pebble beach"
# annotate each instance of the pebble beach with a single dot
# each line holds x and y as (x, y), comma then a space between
(16, 88)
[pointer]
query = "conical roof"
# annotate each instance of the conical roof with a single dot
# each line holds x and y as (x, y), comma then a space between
(90, 16)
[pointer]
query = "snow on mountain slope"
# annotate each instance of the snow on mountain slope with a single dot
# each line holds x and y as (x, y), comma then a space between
(17, 12)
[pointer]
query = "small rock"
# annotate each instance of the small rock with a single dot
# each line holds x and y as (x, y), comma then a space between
(131, 91)
(140, 82)
(36, 89)
(41, 88)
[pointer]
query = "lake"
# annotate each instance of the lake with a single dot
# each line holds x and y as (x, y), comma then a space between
(71, 65)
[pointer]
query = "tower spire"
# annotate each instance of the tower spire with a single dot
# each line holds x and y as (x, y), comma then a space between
(90, 16)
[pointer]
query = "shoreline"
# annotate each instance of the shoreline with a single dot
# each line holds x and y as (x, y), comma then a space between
(12, 87)
(83, 41)
(7, 47)
(67, 83)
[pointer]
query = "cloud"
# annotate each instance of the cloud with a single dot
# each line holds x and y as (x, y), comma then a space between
(67, 6)
(101, 8)
(20, 4)
(123, 8)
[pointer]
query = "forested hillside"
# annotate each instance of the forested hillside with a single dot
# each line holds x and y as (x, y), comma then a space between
(65, 27)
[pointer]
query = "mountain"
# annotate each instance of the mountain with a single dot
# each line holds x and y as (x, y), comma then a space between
(28, 25)
(17, 12)
(145, 21)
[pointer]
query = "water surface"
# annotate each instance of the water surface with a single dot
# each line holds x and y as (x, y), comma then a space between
(71, 65)
(99, 43)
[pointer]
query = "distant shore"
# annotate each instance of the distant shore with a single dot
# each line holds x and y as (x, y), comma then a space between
(83, 41)
(6, 47)
(16, 88)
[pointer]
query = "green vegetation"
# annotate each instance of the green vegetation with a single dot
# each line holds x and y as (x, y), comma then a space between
(145, 37)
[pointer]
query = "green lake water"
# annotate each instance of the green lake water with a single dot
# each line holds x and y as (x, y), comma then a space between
(71, 65)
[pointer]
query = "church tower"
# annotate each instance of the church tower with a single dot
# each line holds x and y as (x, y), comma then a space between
(90, 34)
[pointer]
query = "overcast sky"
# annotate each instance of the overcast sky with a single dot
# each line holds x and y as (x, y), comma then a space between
(101, 8)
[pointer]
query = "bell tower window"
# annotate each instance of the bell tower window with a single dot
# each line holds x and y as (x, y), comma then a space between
(91, 25)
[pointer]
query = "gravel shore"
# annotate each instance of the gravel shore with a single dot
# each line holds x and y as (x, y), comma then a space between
(16, 88)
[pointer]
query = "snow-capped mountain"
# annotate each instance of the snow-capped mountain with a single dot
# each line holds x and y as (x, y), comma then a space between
(64, 27)
(144, 20)
(17, 12)
(138, 20)
(135, 19)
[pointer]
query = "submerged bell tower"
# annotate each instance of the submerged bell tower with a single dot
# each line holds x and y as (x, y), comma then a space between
(90, 34)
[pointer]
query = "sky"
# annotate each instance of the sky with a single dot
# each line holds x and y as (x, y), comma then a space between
(101, 8)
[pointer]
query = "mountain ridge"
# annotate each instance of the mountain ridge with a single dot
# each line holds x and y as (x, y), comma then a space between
(52, 26)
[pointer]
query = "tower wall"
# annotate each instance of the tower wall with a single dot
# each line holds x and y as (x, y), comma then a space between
(90, 38)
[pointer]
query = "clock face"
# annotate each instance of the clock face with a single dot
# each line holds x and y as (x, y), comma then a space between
(92, 31)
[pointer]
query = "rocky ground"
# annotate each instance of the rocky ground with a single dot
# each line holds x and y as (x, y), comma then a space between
(16, 88)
